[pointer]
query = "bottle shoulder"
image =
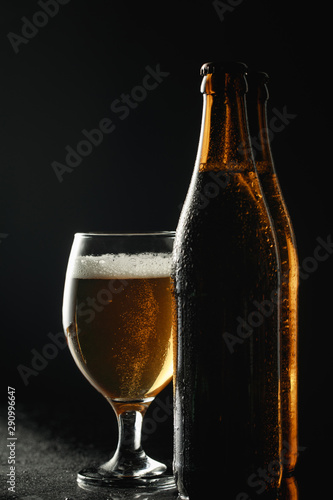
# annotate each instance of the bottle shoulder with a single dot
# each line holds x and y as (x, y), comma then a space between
(226, 224)
(278, 210)
(225, 198)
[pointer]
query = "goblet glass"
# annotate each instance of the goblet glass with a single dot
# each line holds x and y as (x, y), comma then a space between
(117, 319)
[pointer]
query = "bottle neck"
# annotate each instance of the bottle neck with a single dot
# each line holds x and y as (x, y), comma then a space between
(263, 154)
(224, 143)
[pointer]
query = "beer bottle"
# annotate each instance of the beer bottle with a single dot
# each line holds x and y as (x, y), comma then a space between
(225, 279)
(289, 267)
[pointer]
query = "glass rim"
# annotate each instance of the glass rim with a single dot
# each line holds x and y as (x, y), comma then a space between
(129, 234)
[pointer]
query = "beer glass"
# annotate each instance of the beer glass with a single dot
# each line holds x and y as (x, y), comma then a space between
(117, 320)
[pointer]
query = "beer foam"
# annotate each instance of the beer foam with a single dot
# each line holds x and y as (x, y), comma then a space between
(122, 266)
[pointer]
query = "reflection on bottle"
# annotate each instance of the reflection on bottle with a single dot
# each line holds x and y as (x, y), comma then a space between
(288, 489)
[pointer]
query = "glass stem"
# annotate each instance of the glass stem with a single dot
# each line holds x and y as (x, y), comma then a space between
(129, 459)
(130, 428)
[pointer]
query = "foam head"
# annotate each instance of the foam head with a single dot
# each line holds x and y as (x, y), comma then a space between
(121, 266)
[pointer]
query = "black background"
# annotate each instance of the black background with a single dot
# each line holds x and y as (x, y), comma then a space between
(63, 80)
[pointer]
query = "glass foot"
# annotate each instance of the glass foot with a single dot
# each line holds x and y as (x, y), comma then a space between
(156, 479)
(131, 463)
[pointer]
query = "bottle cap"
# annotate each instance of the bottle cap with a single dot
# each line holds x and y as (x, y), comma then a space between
(214, 76)
(223, 67)
(257, 81)
(260, 77)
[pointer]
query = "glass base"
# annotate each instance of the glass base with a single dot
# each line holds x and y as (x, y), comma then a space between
(93, 477)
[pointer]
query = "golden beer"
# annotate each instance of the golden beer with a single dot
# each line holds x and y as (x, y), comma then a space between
(119, 325)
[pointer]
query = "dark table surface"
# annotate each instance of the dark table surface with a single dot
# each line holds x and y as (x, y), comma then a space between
(57, 439)
(54, 441)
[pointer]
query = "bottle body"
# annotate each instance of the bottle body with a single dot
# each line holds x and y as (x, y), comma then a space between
(288, 316)
(289, 280)
(226, 299)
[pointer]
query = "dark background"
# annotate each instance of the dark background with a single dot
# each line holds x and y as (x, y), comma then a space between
(63, 81)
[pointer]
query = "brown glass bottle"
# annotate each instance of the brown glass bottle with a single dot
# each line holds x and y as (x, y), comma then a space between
(289, 267)
(226, 306)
